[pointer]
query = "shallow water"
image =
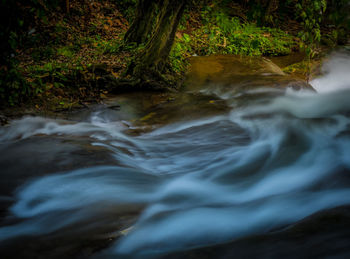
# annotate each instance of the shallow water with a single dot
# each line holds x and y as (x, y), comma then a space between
(200, 180)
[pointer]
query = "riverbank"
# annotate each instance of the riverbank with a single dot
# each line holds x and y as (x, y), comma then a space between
(254, 72)
(70, 61)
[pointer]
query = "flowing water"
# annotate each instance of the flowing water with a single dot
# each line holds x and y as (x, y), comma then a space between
(196, 181)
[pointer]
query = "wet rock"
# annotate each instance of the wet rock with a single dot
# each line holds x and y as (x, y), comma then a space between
(325, 234)
(114, 107)
(71, 244)
(3, 120)
(42, 155)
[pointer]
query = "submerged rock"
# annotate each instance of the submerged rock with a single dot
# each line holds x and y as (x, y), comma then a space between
(235, 74)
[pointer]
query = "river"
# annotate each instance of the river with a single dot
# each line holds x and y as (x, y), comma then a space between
(110, 183)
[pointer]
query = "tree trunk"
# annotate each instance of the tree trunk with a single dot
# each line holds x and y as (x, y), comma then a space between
(147, 69)
(156, 52)
(272, 6)
(67, 5)
(142, 25)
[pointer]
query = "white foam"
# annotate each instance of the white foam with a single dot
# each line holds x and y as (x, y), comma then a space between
(337, 74)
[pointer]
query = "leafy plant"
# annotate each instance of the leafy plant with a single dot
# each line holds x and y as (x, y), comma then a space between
(338, 20)
(310, 12)
(222, 34)
(66, 51)
(13, 87)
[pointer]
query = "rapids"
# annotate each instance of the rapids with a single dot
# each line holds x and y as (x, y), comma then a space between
(254, 168)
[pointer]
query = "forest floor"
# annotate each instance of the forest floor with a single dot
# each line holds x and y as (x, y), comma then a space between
(72, 53)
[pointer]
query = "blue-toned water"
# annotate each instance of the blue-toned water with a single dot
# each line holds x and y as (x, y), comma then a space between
(260, 166)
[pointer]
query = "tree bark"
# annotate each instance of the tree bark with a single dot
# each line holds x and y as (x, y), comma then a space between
(147, 69)
(272, 6)
(67, 5)
(142, 25)
(156, 52)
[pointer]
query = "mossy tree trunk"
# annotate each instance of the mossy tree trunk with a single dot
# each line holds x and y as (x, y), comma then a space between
(142, 26)
(152, 60)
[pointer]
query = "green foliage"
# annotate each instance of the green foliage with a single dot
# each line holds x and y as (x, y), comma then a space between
(14, 30)
(66, 51)
(337, 19)
(222, 34)
(127, 7)
(53, 75)
(13, 86)
(311, 12)
(45, 52)
(179, 54)
(108, 47)
(258, 12)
